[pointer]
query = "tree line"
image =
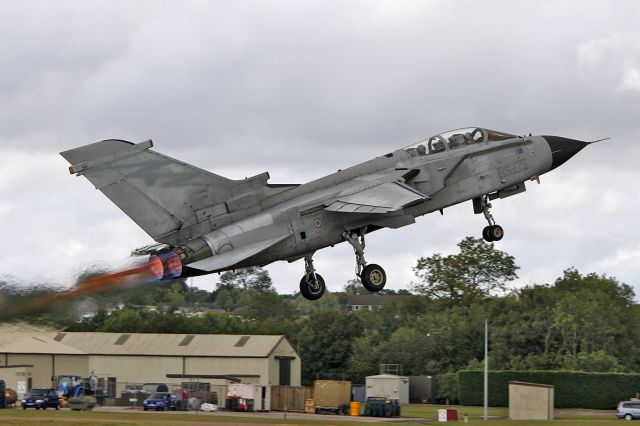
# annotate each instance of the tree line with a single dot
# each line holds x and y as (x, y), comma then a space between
(582, 322)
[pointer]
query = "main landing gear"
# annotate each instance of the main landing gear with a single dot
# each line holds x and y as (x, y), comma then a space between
(372, 276)
(493, 232)
(311, 285)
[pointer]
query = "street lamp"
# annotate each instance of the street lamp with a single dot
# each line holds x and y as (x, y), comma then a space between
(486, 369)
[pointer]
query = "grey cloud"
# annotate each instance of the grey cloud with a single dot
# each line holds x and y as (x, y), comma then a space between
(303, 88)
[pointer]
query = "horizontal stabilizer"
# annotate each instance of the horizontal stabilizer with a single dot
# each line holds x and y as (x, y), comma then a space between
(236, 255)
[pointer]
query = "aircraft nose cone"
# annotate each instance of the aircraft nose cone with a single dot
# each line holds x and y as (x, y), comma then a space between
(563, 148)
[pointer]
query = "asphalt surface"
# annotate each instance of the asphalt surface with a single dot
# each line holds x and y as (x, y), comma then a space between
(277, 415)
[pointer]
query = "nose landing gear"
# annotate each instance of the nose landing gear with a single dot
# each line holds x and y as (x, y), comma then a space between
(372, 276)
(493, 232)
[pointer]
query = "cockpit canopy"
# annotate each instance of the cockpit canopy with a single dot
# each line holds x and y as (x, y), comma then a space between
(457, 138)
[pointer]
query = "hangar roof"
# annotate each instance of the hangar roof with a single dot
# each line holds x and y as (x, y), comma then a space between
(40, 344)
(217, 345)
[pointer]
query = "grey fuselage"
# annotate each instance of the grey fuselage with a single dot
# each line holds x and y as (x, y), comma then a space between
(447, 178)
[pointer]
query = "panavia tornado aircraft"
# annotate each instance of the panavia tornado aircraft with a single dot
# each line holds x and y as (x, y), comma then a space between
(205, 223)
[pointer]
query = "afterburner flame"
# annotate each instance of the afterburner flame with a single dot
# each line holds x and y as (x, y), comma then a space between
(150, 271)
(166, 265)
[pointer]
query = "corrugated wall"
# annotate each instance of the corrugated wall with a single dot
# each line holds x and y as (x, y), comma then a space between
(230, 366)
(42, 367)
(135, 369)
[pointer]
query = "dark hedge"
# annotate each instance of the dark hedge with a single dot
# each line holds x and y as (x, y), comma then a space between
(572, 389)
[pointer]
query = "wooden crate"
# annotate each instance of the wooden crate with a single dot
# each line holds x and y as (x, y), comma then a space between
(290, 398)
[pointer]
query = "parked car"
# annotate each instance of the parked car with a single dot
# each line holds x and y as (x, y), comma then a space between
(628, 410)
(150, 388)
(133, 388)
(41, 398)
(160, 401)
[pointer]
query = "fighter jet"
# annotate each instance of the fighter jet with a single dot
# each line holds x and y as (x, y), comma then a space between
(204, 223)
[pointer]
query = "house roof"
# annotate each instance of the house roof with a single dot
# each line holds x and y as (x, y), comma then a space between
(216, 345)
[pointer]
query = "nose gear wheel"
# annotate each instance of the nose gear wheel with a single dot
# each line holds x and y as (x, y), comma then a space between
(493, 232)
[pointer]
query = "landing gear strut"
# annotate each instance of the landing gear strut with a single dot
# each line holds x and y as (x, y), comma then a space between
(311, 285)
(372, 276)
(493, 232)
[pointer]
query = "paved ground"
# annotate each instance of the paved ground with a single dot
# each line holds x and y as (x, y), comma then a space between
(275, 415)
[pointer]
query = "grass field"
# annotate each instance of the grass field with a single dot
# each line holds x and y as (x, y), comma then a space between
(429, 411)
(120, 418)
(75, 418)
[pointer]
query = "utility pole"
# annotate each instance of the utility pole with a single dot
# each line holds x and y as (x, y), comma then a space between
(486, 369)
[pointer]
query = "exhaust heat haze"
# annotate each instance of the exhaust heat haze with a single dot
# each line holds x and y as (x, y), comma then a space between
(15, 304)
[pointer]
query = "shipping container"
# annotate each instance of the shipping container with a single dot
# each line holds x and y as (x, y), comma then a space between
(331, 394)
(422, 389)
(388, 386)
(290, 398)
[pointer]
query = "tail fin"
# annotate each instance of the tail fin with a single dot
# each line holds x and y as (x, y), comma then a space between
(159, 193)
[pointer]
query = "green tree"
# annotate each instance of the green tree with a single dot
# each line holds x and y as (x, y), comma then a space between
(354, 286)
(477, 271)
(365, 357)
(594, 313)
(324, 344)
(598, 361)
(263, 305)
(124, 321)
(248, 278)
(409, 347)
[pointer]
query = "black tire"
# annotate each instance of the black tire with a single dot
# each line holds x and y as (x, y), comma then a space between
(628, 417)
(496, 232)
(486, 235)
(57, 408)
(373, 277)
(312, 291)
(145, 408)
(24, 407)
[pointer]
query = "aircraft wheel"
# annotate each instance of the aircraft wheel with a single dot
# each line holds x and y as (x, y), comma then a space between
(312, 290)
(496, 232)
(373, 277)
(486, 235)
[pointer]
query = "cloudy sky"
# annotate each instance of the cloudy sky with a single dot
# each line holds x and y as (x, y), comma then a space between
(303, 88)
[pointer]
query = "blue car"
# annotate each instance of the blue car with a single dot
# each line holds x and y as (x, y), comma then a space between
(160, 401)
(41, 398)
(628, 410)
